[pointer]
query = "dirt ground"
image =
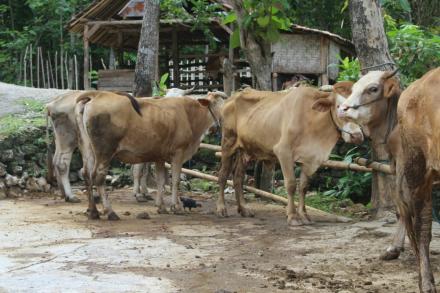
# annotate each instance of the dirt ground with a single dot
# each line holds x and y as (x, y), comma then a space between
(47, 245)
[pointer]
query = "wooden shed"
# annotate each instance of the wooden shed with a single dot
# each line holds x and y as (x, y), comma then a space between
(117, 24)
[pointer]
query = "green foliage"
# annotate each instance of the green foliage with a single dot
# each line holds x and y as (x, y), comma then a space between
(264, 18)
(349, 69)
(353, 185)
(159, 89)
(414, 49)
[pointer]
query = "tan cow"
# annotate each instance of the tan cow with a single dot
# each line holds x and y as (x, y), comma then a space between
(415, 148)
(295, 126)
(142, 130)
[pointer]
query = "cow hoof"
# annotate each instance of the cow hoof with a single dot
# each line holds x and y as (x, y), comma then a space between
(72, 199)
(141, 197)
(97, 199)
(222, 212)
(93, 214)
(390, 254)
(294, 221)
(177, 209)
(162, 210)
(246, 212)
(306, 220)
(113, 217)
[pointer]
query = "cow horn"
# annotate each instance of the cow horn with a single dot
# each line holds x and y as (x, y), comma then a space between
(188, 91)
(326, 88)
(221, 94)
(389, 74)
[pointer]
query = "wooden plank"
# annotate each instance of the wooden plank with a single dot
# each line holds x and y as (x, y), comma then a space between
(324, 60)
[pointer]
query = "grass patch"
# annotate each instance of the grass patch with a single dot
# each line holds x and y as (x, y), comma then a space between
(33, 117)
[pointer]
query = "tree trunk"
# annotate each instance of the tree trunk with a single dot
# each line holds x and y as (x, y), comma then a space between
(148, 50)
(258, 54)
(424, 12)
(372, 50)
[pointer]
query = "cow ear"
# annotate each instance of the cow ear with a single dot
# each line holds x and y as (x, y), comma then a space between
(204, 102)
(343, 88)
(391, 88)
(323, 105)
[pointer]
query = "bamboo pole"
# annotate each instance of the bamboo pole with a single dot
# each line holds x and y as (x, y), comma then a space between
(384, 168)
(259, 192)
(62, 67)
(211, 147)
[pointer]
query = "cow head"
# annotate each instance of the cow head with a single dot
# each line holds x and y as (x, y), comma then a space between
(368, 100)
(350, 131)
(214, 101)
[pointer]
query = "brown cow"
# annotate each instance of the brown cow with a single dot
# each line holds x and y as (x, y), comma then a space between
(295, 126)
(61, 114)
(162, 130)
(417, 153)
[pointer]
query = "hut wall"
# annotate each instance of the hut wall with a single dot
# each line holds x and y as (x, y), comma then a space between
(333, 67)
(295, 53)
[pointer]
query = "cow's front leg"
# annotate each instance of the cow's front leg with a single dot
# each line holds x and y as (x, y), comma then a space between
(303, 181)
(225, 170)
(99, 173)
(239, 173)
(397, 246)
(287, 167)
(176, 204)
(160, 175)
(140, 171)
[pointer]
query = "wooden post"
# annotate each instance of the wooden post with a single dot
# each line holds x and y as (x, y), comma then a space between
(31, 66)
(112, 63)
(86, 58)
(175, 57)
(76, 72)
(274, 81)
(50, 70)
(24, 65)
(38, 67)
(56, 69)
(43, 75)
(324, 60)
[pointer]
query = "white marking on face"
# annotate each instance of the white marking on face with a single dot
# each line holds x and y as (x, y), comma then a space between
(362, 115)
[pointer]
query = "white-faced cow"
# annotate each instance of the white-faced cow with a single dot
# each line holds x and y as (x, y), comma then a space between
(142, 130)
(415, 147)
(295, 126)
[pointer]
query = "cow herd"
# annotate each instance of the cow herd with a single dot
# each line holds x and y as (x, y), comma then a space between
(295, 126)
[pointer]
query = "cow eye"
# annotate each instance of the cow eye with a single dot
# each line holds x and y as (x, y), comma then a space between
(373, 89)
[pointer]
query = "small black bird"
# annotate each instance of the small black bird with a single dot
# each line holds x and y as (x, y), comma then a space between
(189, 203)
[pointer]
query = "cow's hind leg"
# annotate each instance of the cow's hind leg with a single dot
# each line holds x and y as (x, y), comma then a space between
(160, 175)
(422, 230)
(62, 159)
(394, 250)
(303, 182)
(225, 170)
(99, 174)
(239, 173)
(176, 167)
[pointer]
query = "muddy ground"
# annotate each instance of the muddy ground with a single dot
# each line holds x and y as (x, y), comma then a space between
(47, 245)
